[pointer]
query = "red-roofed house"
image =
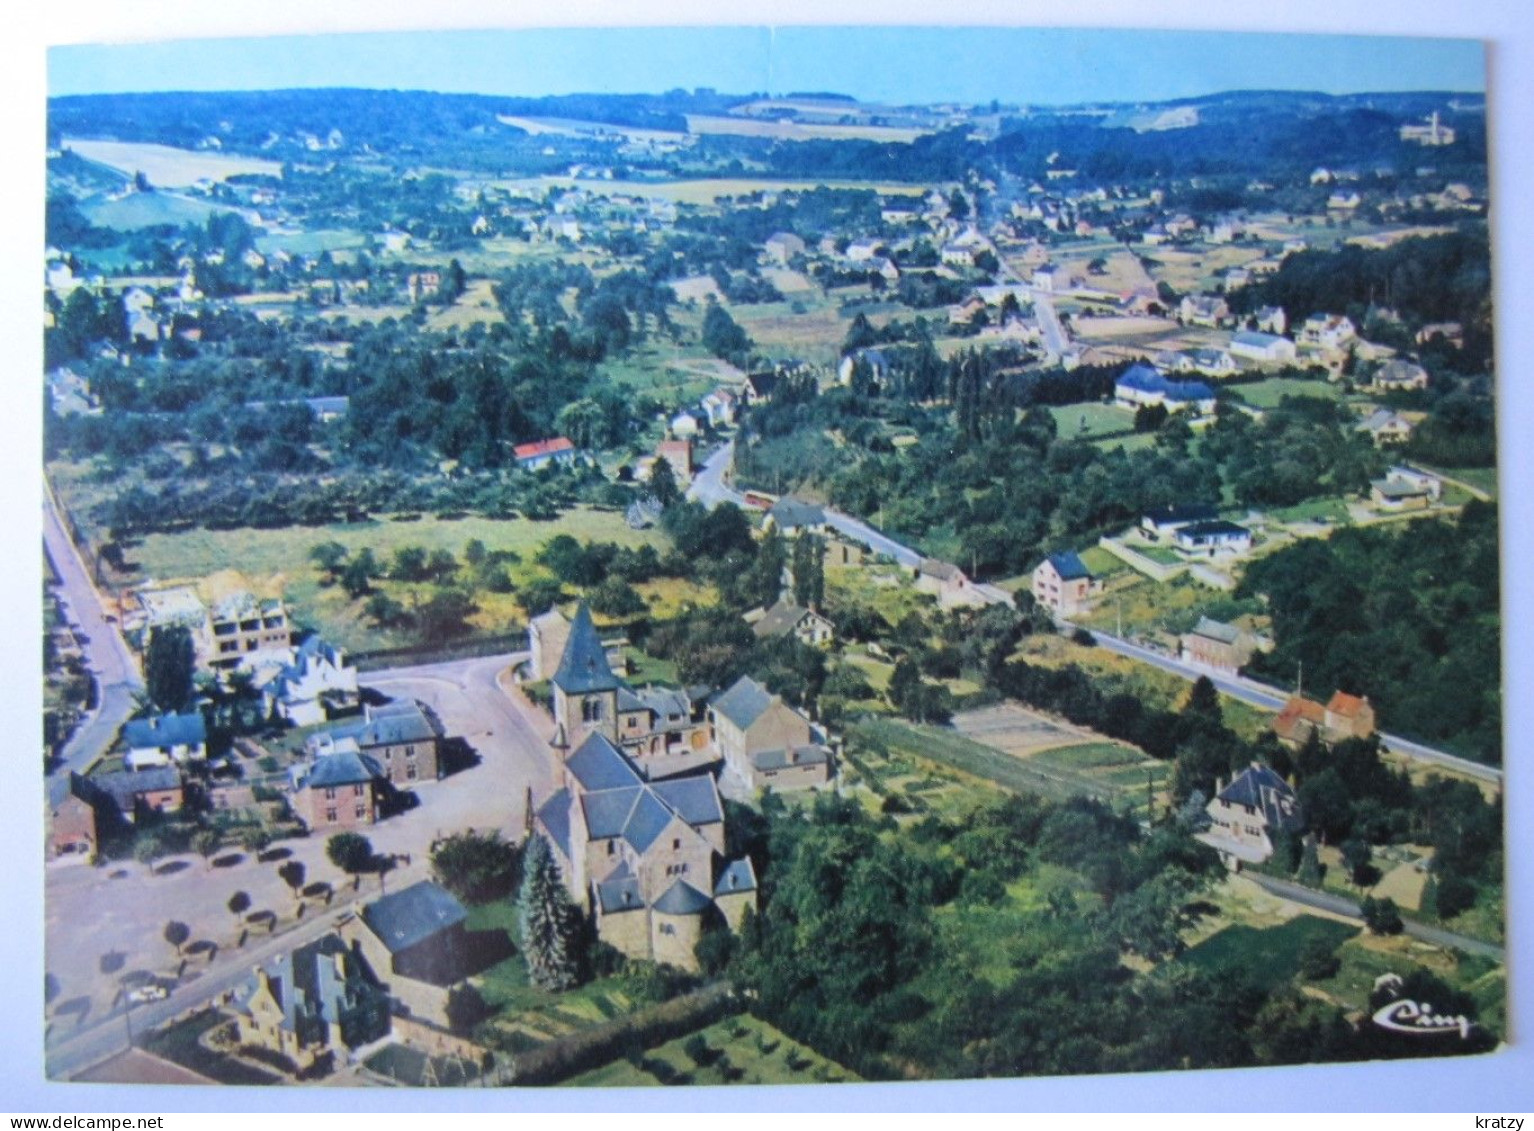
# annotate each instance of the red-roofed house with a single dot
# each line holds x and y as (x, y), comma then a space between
(530, 457)
(1344, 716)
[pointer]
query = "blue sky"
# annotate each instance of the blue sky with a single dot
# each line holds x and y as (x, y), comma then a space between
(894, 64)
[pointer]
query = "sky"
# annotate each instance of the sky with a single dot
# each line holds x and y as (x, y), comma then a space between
(878, 64)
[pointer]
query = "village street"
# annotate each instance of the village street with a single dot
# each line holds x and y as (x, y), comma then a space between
(121, 909)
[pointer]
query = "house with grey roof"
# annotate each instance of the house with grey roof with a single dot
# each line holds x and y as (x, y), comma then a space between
(1219, 646)
(416, 943)
(339, 790)
(318, 1000)
(164, 740)
(133, 793)
(791, 517)
(308, 684)
(647, 858)
(765, 742)
(402, 738)
(788, 619)
(1249, 814)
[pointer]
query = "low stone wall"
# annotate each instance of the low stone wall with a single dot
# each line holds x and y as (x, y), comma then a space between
(1139, 562)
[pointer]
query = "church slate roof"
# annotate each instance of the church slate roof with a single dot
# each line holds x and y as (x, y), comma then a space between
(681, 898)
(583, 668)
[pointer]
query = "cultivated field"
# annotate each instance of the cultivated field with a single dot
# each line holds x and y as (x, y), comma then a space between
(574, 127)
(797, 131)
(167, 166)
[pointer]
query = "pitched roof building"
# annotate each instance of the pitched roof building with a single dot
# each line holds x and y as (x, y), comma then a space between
(1248, 815)
(647, 858)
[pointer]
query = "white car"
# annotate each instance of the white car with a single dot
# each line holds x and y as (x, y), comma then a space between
(152, 991)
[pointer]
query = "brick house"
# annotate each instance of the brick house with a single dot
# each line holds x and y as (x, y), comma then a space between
(1343, 716)
(75, 816)
(401, 738)
(339, 790)
(134, 793)
(1223, 647)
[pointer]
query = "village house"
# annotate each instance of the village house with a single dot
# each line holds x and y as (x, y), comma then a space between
(1386, 427)
(1222, 647)
(1165, 521)
(315, 1002)
(402, 738)
(541, 453)
(133, 793)
(1433, 133)
(163, 740)
(863, 250)
(647, 859)
(765, 742)
(1203, 310)
(678, 453)
(719, 407)
(1271, 320)
(1210, 362)
(1399, 374)
(792, 517)
(1063, 584)
(1405, 488)
(783, 246)
(1266, 348)
(1145, 385)
(77, 810)
(1249, 814)
(337, 791)
(1451, 332)
(948, 583)
(760, 386)
(416, 943)
(305, 685)
(1344, 716)
(788, 619)
(1215, 538)
(1327, 332)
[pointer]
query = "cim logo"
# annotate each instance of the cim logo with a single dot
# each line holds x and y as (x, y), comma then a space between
(1406, 1016)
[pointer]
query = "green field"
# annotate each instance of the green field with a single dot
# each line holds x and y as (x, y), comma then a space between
(1135, 442)
(1315, 510)
(1269, 956)
(280, 559)
(147, 210)
(1268, 394)
(1089, 421)
(309, 243)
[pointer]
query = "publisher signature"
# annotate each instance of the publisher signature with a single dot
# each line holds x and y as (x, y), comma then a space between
(1406, 1016)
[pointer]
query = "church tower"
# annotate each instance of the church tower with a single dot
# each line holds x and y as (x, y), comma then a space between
(585, 689)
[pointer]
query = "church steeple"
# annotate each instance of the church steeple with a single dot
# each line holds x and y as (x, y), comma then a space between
(585, 688)
(583, 668)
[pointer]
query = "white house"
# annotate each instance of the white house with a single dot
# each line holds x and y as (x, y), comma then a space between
(1253, 346)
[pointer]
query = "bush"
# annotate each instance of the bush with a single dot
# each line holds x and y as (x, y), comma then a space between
(1382, 917)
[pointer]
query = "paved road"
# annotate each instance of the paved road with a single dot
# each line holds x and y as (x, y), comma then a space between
(1338, 905)
(108, 656)
(1273, 698)
(708, 485)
